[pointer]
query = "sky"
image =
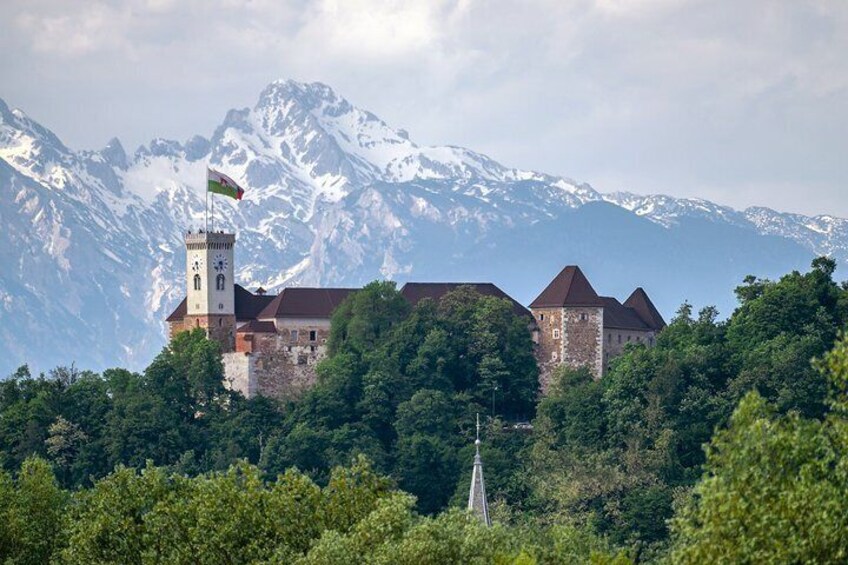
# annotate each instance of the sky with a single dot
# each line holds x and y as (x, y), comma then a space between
(743, 102)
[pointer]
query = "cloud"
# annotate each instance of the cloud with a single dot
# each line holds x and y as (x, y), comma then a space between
(740, 101)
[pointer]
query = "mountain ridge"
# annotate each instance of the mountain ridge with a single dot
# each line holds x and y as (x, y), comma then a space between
(335, 196)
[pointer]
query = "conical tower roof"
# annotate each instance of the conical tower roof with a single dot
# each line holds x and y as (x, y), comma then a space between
(569, 288)
(477, 502)
(646, 310)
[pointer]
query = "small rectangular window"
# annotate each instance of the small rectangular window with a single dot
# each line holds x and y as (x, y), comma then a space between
(619, 338)
(609, 338)
(313, 335)
(628, 338)
(542, 317)
(556, 333)
(294, 336)
(583, 317)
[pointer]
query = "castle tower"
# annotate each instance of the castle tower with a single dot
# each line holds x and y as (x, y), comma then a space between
(477, 502)
(210, 290)
(570, 319)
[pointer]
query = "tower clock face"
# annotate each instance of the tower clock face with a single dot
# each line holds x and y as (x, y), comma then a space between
(220, 262)
(197, 263)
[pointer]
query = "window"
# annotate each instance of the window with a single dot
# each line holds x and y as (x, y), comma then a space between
(196, 323)
(196, 282)
(219, 282)
(556, 333)
(220, 322)
(312, 348)
(609, 338)
(542, 317)
(313, 335)
(553, 356)
(619, 338)
(294, 336)
(628, 338)
(638, 338)
(583, 317)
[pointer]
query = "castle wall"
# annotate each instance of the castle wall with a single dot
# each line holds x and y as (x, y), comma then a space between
(549, 344)
(615, 340)
(583, 343)
(218, 328)
(239, 373)
(283, 363)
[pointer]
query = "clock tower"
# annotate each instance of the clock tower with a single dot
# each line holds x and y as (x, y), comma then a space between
(210, 294)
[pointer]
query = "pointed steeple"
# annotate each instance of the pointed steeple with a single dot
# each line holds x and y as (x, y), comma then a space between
(477, 502)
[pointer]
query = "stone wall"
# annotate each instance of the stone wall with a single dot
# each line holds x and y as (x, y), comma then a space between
(615, 341)
(582, 330)
(282, 364)
(220, 328)
(549, 342)
(239, 373)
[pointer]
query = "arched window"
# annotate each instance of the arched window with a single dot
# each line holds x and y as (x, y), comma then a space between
(196, 282)
(219, 282)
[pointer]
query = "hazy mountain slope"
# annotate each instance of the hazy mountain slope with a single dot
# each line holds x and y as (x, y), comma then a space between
(91, 243)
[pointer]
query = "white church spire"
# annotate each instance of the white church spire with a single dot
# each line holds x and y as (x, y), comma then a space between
(477, 502)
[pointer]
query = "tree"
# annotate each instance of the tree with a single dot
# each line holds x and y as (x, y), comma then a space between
(776, 486)
(64, 443)
(31, 512)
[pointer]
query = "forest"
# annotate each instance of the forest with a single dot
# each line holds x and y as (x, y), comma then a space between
(726, 442)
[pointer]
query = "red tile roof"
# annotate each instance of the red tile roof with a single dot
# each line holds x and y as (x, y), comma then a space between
(415, 292)
(249, 305)
(620, 317)
(179, 312)
(569, 288)
(646, 310)
(298, 302)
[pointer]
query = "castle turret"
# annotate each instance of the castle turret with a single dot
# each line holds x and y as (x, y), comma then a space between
(477, 502)
(210, 294)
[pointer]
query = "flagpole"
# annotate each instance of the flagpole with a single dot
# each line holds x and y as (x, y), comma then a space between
(207, 200)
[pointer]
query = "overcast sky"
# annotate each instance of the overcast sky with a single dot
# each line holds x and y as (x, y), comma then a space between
(742, 102)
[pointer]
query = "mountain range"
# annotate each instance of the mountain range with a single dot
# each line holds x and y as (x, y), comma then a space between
(91, 250)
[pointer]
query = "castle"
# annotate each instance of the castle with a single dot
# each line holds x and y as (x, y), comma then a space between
(271, 344)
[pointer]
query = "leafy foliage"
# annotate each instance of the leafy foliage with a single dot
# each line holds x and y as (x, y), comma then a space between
(200, 474)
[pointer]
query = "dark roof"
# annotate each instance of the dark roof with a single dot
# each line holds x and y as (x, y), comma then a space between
(247, 305)
(569, 288)
(255, 326)
(298, 302)
(621, 317)
(415, 292)
(179, 313)
(646, 310)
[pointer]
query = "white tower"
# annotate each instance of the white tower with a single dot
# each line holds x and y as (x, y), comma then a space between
(210, 294)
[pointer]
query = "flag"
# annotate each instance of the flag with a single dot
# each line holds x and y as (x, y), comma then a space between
(222, 184)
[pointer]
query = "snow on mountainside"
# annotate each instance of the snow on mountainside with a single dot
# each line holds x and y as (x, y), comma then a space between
(92, 252)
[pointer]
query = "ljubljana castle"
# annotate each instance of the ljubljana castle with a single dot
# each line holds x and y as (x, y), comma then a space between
(271, 343)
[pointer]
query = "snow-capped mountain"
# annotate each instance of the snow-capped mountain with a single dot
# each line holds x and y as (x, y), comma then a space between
(91, 242)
